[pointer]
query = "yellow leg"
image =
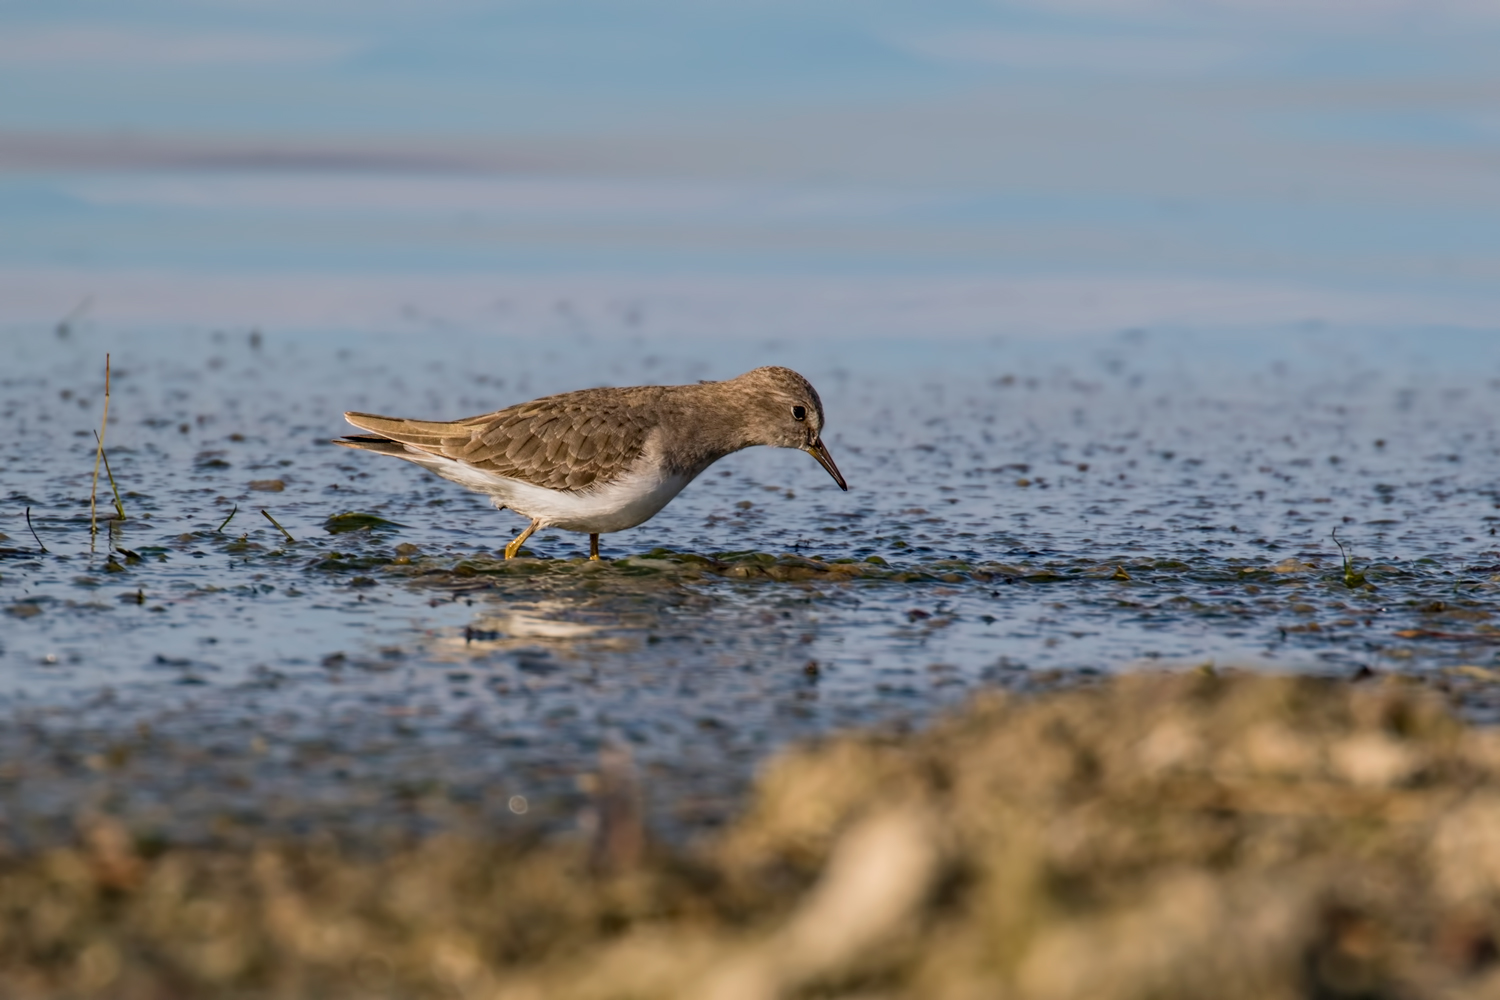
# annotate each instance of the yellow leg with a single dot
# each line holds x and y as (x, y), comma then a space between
(594, 546)
(515, 546)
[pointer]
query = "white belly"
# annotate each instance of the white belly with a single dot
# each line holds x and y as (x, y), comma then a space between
(632, 499)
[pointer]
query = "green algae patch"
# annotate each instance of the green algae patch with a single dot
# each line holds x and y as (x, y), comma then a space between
(337, 524)
(340, 562)
(664, 565)
(1044, 576)
(242, 545)
(668, 565)
(1152, 836)
(645, 566)
(911, 576)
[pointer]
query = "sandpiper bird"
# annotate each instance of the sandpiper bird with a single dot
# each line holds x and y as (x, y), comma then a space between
(600, 460)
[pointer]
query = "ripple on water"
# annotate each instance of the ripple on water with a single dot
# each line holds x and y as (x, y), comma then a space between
(1018, 520)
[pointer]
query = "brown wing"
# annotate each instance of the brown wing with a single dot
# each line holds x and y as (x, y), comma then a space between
(571, 441)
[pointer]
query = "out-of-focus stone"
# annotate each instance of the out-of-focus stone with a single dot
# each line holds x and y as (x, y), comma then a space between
(1374, 760)
(1192, 935)
(1465, 851)
(1153, 836)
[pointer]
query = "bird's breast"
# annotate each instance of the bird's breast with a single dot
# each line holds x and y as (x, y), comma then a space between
(631, 498)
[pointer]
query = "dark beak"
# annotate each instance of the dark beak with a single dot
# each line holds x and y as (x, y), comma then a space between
(819, 451)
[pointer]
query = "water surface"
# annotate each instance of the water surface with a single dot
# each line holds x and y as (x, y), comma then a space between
(1021, 513)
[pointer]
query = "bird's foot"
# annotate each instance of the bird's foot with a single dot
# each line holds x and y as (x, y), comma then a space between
(515, 546)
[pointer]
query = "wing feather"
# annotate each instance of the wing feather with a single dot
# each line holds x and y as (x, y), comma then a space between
(572, 441)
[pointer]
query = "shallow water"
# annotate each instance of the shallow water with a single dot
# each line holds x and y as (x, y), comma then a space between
(1038, 512)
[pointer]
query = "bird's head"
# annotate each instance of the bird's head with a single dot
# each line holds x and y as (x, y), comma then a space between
(785, 412)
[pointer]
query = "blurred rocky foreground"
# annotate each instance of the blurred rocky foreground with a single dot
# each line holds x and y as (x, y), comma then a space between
(1154, 836)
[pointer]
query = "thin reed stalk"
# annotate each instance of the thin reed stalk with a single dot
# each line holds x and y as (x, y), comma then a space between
(119, 506)
(279, 528)
(33, 531)
(98, 457)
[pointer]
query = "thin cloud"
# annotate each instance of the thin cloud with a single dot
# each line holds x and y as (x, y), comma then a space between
(1073, 53)
(112, 47)
(1362, 15)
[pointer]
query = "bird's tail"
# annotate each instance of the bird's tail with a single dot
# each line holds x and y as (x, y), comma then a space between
(369, 442)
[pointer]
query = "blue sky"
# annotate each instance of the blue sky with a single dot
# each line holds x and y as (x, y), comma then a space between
(1345, 145)
(457, 67)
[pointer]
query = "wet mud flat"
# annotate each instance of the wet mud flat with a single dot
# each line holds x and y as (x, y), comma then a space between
(212, 724)
(1151, 835)
(522, 676)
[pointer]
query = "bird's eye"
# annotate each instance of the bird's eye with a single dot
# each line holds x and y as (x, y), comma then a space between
(799, 413)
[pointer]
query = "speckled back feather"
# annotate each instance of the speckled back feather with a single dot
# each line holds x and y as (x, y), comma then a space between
(570, 441)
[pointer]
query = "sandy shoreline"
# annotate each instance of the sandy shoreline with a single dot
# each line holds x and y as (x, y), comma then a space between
(1152, 835)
